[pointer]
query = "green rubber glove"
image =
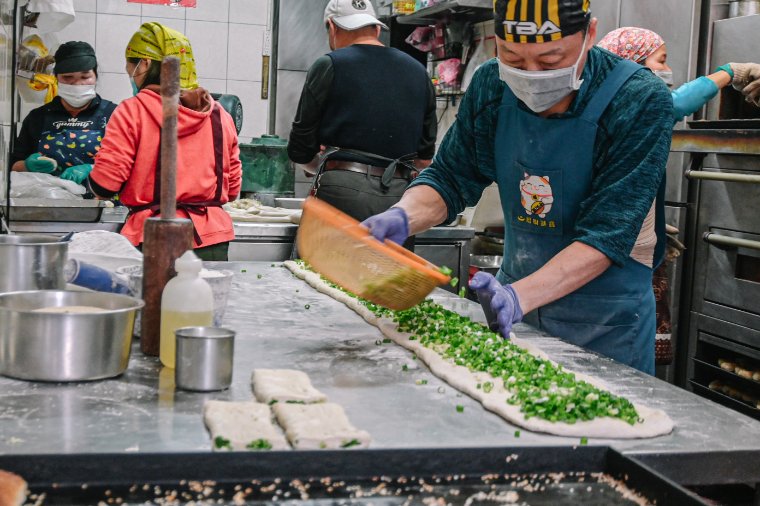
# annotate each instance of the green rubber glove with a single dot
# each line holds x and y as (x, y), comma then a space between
(34, 164)
(727, 69)
(77, 173)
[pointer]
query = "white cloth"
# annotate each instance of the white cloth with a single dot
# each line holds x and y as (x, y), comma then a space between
(55, 15)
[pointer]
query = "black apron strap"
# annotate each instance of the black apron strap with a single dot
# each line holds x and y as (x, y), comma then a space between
(218, 135)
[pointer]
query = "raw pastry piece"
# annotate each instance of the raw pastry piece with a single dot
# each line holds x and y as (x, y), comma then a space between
(653, 422)
(242, 426)
(12, 489)
(744, 373)
(284, 385)
(756, 375)
(316, 426)
(726, 365)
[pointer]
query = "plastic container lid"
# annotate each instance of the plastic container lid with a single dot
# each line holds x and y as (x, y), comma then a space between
(268, 140)
(189, 263)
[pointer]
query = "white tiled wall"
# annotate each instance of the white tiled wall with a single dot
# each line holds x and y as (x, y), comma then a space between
(227, 38)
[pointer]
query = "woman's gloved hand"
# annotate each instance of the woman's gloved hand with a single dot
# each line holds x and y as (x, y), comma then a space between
(392, 224)
(746, 79)
(500, 303)
(34, 164)
(77, 173)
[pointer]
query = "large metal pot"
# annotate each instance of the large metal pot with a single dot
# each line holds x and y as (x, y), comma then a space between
(43, 346)
(32, 262)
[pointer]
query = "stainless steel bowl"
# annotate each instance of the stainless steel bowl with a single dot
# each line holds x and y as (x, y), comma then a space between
(65, 346)
(487, 263)
(32, 262)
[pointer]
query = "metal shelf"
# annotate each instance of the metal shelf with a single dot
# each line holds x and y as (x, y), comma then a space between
(479, 10)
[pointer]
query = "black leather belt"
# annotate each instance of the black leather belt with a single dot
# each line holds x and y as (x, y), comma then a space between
(401, 171)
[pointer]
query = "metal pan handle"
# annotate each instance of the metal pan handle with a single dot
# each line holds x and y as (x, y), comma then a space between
(726, 177)
(732, 242)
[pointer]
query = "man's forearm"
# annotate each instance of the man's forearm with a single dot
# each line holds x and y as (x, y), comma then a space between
(19, 166)
(569, 270)
(424, 207)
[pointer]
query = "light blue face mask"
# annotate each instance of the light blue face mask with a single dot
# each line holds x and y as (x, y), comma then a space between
(135, 89)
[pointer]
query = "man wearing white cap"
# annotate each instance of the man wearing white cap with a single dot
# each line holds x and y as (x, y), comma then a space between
(375, 103)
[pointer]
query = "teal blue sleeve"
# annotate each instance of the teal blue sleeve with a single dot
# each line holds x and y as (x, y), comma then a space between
(690, 97)
(458, 172)
(630, 156)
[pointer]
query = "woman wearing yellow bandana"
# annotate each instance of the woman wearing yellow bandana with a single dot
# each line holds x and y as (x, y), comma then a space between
(208, 162)
(149, 45)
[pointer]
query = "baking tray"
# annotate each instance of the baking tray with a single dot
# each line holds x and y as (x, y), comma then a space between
(725, 400)
(537, 475)
(79, 210)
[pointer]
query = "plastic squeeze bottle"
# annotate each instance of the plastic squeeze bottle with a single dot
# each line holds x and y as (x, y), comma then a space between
(187, 301)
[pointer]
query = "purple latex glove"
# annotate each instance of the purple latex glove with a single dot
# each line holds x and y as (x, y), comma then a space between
(500, 302)
(392, 224)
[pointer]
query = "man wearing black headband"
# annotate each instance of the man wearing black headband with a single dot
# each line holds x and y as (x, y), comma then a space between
(63, 136)
(577, 140)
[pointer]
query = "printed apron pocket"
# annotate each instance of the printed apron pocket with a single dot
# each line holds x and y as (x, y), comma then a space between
(537, 200)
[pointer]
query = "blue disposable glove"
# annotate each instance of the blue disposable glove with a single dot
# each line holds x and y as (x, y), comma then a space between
(34, 164)
(392, 224)
(77, 173)
(500, 302)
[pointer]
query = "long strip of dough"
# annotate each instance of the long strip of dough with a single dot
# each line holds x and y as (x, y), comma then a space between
(655, 422)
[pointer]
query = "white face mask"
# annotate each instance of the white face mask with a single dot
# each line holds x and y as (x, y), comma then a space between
(541, 89)
(665, 75)
(76, 95)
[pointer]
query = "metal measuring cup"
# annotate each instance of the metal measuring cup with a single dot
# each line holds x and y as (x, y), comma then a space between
(204, 358)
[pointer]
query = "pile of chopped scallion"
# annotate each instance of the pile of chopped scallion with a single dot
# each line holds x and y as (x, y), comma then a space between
(540, 388)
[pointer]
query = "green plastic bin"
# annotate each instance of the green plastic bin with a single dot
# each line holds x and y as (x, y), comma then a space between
(267, 171)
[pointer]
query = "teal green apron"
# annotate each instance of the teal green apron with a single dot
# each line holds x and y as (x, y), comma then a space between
(544, 172)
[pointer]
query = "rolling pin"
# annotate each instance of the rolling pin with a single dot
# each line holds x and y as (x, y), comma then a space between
(165, 237)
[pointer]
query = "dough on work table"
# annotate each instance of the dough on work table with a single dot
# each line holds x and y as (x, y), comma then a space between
(70, 309)
(284, 385)
(242, 426)
(319, 426)
(653, 422)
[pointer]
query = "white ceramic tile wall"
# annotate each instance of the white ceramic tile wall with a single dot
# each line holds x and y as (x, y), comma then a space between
(251, 12)
(114, 86)
(118, 7)
(112, 33)
(83, 28)
(210, 10)
(244, 52)
(163, 11)
(173, 23)
(85, 6)
(209, 41)
(255, 110)
(227, 38)
(214, 85)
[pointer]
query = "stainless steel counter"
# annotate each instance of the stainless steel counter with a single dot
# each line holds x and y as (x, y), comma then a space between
(141, 411)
